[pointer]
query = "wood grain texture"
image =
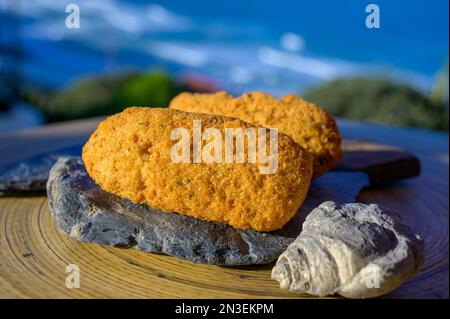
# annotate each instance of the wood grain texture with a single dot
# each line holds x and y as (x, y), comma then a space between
(34, 254)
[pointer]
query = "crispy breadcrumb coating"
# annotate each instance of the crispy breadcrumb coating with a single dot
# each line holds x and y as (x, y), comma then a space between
(308, 124)
(129, 155)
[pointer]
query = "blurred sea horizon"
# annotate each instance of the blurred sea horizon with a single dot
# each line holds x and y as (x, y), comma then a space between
(284, 48)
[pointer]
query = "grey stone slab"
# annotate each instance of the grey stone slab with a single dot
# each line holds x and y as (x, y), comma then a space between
(87, 213)
(31, 174)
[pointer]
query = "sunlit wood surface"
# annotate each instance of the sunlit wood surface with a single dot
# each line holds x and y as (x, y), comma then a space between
(34, 254)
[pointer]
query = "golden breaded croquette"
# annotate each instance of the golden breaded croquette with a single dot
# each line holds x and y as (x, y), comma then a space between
(129, 155)
(308, 124)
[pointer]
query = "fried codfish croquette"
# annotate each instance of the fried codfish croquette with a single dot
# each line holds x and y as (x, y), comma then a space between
(129, 155)
(308, 124)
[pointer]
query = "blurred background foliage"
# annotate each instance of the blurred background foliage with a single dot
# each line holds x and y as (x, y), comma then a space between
(375, 100)
(104, 95)
(379, 100)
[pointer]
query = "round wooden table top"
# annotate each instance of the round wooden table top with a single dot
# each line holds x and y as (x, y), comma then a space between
(34, 254)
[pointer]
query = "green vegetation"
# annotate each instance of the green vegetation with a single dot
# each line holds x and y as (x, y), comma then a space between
(103, 95)
(376, 100)
(380, 100)
(439, 91)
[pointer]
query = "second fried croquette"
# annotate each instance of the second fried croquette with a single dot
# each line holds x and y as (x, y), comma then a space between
(129, 155)
(308, 124)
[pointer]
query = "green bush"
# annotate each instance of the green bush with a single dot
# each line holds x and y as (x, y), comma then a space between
(104, 95)
(150, 89)
(379, 100)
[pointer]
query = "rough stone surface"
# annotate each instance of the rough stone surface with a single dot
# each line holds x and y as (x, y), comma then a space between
(85, 212)
(31, 174)
(355, 250)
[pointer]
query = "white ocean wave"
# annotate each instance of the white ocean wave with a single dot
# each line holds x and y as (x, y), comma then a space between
(292, 42)
(297, 63)
(177, 53)
(268, 68)
(113, 14)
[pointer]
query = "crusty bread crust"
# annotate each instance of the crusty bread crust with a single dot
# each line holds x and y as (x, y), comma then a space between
(129, 155)
(308, 124)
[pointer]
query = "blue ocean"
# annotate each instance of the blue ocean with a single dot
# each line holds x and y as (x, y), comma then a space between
(276, 46)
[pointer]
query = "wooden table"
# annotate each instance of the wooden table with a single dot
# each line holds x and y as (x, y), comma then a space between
(34, 254)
